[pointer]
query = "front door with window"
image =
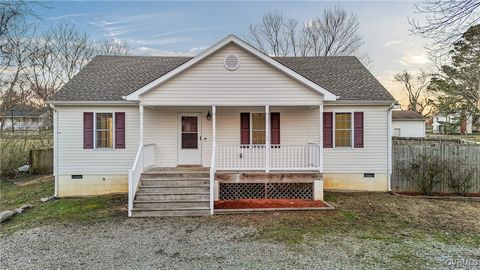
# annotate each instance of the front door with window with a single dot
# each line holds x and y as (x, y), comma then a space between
(189, 139)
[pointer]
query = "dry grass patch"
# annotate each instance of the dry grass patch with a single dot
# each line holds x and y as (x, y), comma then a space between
(377, 216)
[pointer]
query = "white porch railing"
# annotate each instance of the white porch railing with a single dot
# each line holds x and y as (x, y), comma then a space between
(145, 158)
(281, 157)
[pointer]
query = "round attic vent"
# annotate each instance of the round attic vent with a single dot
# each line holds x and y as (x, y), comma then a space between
(232, 62)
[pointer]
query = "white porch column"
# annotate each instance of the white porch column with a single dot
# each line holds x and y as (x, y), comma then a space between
(267, 138)
(141, 124)
(141, 131)
(320, 109)
(213, 159)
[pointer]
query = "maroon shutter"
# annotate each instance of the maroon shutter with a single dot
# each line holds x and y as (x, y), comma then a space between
(245, 128)
(327, 129)
(120, 130)
(358, 129)
(275, 128)
(88, 130)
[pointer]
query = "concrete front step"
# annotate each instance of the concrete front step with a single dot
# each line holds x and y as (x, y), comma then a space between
(175, 175)
(142, 196)
(175, 189)
(191, 212)
(174, 182)
(170, 204)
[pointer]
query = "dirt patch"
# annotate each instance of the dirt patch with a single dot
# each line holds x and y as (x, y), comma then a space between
(35, 180)
(268, 203)
(440, 194)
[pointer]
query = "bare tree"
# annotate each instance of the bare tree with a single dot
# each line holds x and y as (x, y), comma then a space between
(112, 47)
(16, 50)
(334, 33)
(446, 20)
(60, 53)
(417, 88)
(269, 33)
(13, 11)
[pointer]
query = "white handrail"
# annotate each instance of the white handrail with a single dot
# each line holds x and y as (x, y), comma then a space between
(212, 177)
(280, 157)
(145, 158)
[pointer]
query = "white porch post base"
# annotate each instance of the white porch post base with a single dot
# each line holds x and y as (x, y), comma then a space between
(318, 190)
(217, 191)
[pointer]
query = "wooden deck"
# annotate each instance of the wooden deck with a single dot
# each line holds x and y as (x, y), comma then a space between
(245, 176)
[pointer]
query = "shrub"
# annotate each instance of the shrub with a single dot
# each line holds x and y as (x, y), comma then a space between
(460, 179)
(425, 172)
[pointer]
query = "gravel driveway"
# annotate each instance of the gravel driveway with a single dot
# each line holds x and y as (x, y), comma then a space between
(199, 243)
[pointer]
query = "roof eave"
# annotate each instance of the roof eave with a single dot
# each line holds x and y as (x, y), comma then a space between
(362, 102)
(92, 103)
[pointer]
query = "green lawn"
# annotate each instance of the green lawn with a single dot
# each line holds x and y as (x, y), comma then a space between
(29, 190)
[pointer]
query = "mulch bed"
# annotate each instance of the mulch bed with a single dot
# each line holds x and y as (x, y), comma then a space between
(268, 203)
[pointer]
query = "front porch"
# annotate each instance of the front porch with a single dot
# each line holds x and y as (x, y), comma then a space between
(185, 191)
(249, 152)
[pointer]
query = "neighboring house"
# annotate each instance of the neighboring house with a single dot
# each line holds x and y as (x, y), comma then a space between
(408, 124)
(253, 126)
(450, 123)
(23, 118)
(476, 126)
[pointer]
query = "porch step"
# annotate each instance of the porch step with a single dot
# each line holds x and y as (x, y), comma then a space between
(170, 204)
(158, 182)
(171, 197)
(175, 189)
(191, 212)
(175, 175)
(173, 192)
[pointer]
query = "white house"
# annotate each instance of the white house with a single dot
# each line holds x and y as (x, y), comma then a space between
(441, 120)
(177, 133)
(25, 118)
(408, 124)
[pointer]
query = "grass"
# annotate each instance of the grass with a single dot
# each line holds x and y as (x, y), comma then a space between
(374, 216)
(29, 190)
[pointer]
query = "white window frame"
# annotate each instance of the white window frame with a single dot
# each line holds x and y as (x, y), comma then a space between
(95, 132)
(351, 130)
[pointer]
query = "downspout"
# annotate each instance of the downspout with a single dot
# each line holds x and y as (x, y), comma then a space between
(389, 146)
(55, 148)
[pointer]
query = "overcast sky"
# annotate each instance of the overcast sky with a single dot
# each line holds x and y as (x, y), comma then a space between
(179, 28)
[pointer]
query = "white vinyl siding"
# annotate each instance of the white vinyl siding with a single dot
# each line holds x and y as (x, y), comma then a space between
(73, 159)
(254, 82)
(409, 128)
(298, 125)
(161, 128)
(372, 158)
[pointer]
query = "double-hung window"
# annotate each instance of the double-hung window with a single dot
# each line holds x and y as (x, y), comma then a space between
(343, 129)
(258, 128)
(104, 130)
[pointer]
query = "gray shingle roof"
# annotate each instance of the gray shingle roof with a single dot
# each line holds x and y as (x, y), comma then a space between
(345, 76)
(108, 78)
(406, 115)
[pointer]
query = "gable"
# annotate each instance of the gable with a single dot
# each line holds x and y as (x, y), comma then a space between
(208, 82)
